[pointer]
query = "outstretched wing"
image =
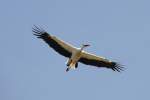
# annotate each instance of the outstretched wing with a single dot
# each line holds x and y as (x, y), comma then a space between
(58, 45)
(90, 59)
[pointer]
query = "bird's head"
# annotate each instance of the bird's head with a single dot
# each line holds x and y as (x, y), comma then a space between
(85, 45)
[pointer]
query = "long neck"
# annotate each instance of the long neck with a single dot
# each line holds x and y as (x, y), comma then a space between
(82, 48)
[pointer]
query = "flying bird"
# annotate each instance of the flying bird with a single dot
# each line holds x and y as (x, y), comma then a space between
(74, 54)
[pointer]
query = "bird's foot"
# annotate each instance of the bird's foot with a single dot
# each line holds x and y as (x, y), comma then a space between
(67, 69)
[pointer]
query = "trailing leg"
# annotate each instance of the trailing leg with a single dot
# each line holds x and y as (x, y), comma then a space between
(69, 62)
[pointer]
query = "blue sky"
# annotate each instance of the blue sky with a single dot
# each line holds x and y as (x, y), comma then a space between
(116, 29)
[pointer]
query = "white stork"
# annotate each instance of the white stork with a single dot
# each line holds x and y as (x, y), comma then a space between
(74, 54)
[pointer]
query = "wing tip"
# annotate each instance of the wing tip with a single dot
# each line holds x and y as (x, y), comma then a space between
(117, 67)
(39, 32)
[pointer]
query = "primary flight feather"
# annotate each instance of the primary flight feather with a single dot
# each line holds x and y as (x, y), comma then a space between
(74, 54)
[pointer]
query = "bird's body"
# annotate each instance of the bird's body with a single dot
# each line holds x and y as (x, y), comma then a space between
(74, 54)
(74, 59)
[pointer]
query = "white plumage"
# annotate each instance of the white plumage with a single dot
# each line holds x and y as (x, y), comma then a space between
(74, 54)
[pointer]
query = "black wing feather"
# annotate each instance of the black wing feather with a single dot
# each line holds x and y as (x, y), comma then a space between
(40, 33)
(112, 65)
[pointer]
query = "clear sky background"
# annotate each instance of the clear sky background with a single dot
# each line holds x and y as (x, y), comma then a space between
(116, 29)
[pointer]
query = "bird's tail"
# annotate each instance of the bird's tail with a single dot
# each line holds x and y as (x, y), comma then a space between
(72, 65)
